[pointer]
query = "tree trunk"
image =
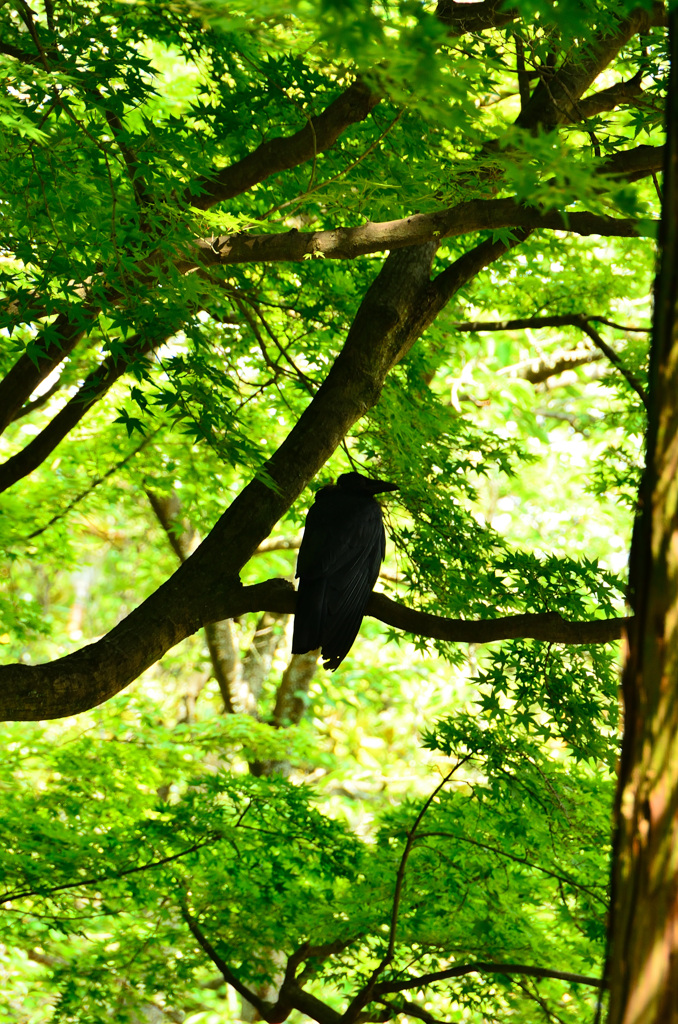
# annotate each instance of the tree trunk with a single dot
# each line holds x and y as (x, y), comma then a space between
(643, 964)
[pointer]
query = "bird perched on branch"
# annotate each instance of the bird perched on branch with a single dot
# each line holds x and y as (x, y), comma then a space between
(338, 564)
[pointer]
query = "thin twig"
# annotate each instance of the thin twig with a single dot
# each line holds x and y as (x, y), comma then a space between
(518, 860)
(483, 967)
(342, 174)
(7, 897)
(365, 993)
(95, 483)
(628, 376)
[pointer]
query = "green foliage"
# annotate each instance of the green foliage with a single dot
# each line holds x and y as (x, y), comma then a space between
(130, 829)
(123, 829)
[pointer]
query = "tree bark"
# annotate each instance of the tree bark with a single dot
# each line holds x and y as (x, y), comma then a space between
(643, 963)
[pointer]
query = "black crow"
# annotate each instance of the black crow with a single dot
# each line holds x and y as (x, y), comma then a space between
(339, 558)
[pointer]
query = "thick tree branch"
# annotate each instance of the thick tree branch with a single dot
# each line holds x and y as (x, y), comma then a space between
(556, 98)
(608, 99)
(93, 674)
(633, 164)
(276, 155)
(347, 243)
(550, 627)
(292, 996)
(546, 626)
(21, 55)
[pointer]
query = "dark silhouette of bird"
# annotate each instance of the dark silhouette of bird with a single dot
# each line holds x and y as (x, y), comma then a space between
(341, 551)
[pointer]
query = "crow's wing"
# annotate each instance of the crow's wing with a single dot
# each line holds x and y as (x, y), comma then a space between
(346, 596)
(339, 558)
(339, 528)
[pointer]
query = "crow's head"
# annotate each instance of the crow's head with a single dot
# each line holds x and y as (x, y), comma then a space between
(360, 484)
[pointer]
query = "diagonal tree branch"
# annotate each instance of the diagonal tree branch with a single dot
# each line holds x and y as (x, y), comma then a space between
(364, 996)
(260, 1005)
(555, 99)
(99, 880)
(276, 155)
(481, 967)
(95, 387)
(607, 99)
(292, 996)
(57, 342)
(608, 351)
(94, 484)
(588, 889)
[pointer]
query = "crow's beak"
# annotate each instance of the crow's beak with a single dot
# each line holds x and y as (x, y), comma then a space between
(384, 485)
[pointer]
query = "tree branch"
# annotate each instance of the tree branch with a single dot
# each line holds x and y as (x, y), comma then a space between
(608, 99)
(555, 100)
(536, 322)
(21, 55)
(57, 341)
(94, 484)
(483, 967)
(276, 155)
(260, 1005)
(633, 164)
(404, 1006)
(418, 229)
(36, 403)
(98, 880)
(364, 996)
(608, 351)
(568, 320)
(540, 369)
(549, 627)
(95, 387)
(95, 673)
(292, 996)
(474, 17)
(522, 860)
